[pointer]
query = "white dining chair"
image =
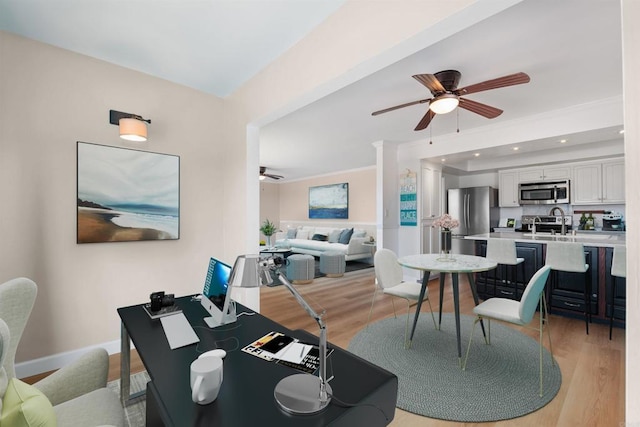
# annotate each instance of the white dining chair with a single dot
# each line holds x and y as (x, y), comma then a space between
(389, 280)
(618, 269)
(517, 313)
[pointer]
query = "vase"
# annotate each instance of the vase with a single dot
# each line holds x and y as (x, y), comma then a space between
(445, 246)
(268, 242)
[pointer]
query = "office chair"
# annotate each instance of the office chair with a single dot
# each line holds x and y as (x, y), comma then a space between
(76, 394)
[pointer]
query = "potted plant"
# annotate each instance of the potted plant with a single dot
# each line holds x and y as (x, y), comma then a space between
(268, 229)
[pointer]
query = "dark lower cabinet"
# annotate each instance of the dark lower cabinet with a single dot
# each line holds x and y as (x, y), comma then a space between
(616, 302)
(565, 291)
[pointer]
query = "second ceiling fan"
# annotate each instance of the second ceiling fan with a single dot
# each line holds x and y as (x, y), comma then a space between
(446, 95)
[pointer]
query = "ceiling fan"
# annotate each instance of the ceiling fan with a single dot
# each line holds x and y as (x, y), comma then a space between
(446, 95)
(264, 174)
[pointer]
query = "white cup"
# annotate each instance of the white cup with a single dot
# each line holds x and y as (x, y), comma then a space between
(206, 379)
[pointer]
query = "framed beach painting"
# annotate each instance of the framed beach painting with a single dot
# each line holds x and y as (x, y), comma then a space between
(126, 195)
(329, 201)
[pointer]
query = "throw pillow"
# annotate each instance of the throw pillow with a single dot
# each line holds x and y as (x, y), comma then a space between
(334, 235)
(359, 233)
(302, 234)
(291, 233)
(24, 405)
(345, 236)
(320, 237)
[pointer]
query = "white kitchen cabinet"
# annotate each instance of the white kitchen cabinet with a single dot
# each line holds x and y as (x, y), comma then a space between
(432, 207)
(596, 183)
(508, 188)
(551, 173)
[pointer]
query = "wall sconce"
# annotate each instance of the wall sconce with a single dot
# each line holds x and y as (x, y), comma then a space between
(132, 126)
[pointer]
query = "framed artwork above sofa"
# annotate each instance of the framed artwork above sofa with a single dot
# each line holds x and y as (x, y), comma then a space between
(329, 201)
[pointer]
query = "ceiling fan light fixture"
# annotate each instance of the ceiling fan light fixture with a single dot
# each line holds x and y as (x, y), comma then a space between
(261, 177)
(444, 103)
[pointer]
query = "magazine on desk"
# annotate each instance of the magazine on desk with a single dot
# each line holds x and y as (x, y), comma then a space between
(280, 348)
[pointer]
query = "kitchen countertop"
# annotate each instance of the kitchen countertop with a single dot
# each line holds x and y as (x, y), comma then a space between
(597, 239)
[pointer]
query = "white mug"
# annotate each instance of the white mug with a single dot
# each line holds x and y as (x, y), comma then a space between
(206, 379)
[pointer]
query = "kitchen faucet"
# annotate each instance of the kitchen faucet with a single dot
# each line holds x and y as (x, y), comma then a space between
(563, 229)
(533, 229)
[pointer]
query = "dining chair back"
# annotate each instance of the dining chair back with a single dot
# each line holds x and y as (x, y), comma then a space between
(389, 280)
(503, 252)
(519, 313)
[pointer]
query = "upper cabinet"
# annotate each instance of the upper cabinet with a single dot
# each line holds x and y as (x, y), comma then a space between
(550, 173)
(508, 188)
(592, 183)
(599, 182)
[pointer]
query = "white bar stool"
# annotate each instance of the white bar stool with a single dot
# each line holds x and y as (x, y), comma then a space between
(569, 257)
(618, 269)
(503, 252)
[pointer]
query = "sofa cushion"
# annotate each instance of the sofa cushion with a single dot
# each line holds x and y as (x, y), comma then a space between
(345, 236)
(320, 237)
(302, 234)
(25, 405)
(359, 232)
(334, 235)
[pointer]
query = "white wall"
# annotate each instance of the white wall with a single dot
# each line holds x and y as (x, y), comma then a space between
(49, 99)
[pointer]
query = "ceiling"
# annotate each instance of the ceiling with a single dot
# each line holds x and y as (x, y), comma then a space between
(213, 46)
(571, 49)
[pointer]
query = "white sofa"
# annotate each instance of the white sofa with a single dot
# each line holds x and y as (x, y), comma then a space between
(304, 242)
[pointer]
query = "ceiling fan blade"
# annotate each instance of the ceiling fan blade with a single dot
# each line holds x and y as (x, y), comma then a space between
(430, 82)
(386, 110)
(426, 119)
(476, 107)
(510, 80)
(273, 176)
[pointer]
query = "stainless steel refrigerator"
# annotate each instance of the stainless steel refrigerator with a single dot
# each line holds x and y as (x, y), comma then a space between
(477, 210)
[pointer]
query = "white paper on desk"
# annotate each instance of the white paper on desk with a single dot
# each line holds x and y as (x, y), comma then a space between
(294, 352)
(178, 331)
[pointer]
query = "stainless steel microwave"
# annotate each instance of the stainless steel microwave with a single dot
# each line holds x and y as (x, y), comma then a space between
(544, 193)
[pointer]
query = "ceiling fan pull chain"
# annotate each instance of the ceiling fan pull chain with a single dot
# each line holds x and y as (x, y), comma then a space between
(457, 120)
(430, 135)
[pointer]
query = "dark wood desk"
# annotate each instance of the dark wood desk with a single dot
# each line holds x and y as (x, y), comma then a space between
(246, 397)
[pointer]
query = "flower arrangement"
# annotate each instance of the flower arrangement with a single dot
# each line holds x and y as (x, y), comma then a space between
(446, 222)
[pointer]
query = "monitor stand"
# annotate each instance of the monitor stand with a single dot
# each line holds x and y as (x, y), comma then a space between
(223, 319)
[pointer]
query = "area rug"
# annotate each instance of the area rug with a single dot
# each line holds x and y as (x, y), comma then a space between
(500, 382)
(135, 413)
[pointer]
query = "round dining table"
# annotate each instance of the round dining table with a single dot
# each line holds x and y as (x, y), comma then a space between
(453, 264)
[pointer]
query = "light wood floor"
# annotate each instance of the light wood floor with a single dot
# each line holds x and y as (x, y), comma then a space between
(593, 368)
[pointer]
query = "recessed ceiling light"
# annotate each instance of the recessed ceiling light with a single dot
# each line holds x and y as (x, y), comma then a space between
(444, 160)
(562, 141)
(476, 154)
(621, 131)
(516, 148)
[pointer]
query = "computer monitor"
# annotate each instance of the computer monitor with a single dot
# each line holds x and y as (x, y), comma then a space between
(215, 296)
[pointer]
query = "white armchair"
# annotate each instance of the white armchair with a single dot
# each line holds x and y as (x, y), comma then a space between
(77, 392)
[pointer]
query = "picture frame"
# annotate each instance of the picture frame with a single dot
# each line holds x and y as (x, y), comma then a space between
(126, 195)
(329, 201)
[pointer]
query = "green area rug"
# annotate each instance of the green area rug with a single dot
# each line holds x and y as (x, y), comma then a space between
(500, 382)
(135, 413)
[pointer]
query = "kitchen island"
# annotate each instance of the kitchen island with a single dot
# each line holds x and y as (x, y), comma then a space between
(565, 292)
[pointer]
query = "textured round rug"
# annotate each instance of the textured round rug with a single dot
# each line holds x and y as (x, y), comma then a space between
(500, 382)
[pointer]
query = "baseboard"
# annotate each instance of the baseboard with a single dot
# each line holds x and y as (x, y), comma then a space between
(57, 361)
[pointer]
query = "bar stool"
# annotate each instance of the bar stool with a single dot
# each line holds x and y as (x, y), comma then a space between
(503, 252)
(618, 269)
(569, 257)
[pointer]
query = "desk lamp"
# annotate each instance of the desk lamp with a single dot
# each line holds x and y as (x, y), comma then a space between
(299, 394)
